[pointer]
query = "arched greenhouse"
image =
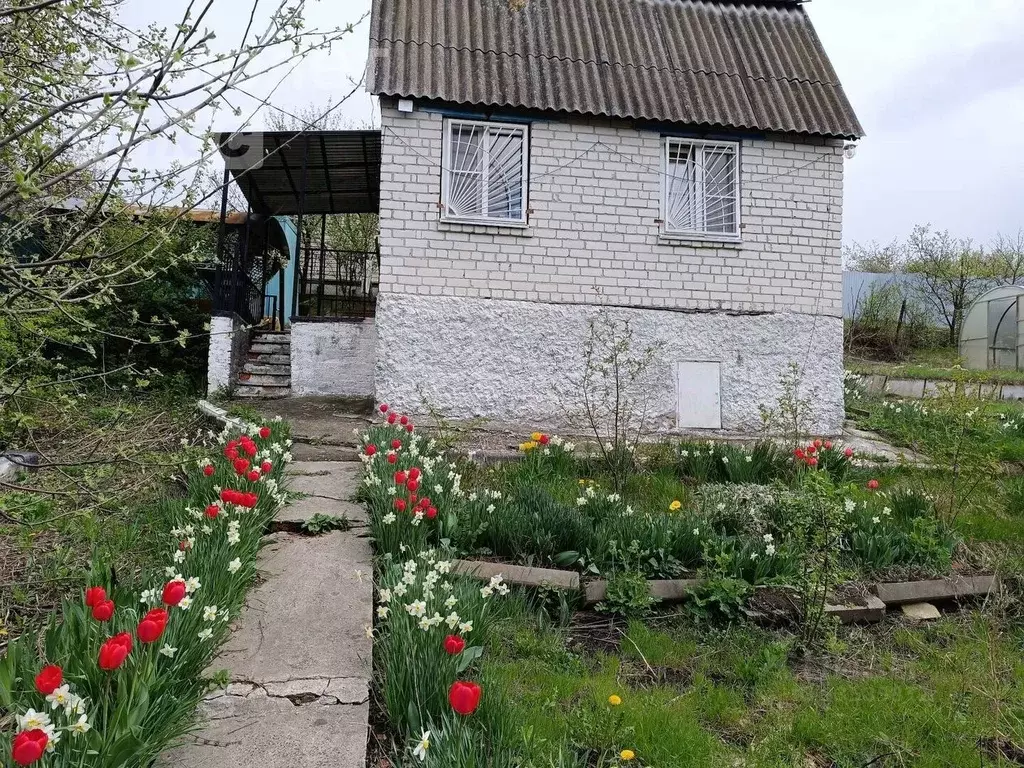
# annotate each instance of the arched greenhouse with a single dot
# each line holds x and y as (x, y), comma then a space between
(993, 331)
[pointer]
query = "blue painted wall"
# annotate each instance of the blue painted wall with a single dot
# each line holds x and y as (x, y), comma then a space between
(273, 285)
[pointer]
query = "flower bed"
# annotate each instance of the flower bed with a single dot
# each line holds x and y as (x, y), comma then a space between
(118, 673)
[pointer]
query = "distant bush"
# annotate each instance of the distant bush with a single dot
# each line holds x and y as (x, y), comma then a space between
(888, 323)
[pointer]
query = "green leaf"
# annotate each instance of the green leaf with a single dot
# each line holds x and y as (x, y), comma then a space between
(468, 656)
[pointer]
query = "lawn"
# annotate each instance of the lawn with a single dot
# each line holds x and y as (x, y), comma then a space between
(110, 472)
(933, 364)
(699, 683)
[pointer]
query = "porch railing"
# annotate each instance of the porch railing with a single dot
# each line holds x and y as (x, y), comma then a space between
(337, 283)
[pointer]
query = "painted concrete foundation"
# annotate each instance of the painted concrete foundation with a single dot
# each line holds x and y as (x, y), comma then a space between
(333, 358)
(514, 361)
(229, 343)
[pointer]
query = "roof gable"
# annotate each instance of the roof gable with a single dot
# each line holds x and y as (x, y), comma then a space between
(757, 66)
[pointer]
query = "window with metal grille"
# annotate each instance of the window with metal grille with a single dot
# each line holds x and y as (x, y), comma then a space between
(485, 172)
(702, 189)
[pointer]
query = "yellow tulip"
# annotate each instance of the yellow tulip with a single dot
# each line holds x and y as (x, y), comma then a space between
(627, 754)
(536, 436)
(614, 700)
(676, 505)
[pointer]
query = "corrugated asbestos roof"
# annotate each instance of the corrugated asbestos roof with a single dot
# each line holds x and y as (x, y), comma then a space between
(757, 65)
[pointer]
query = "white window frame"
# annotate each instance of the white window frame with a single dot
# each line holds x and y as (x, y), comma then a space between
(483, 219)
(668, 142)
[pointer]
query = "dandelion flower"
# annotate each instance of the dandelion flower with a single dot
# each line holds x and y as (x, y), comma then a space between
(676, 505)
(615, 700)
(626, 755)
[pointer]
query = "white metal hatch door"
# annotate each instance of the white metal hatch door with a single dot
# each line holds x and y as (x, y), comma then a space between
(699, 394)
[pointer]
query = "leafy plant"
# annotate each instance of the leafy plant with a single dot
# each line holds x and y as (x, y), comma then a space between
(321, 523)
(628, 595)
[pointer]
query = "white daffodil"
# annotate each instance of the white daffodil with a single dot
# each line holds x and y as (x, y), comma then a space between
(60, 696)
(443, 566)
(385, 595)
(876, 520)
(425, 624)
(421, 748)
(465, 627)
(416, 608)
(33, 720)
(80, 726)
(486, 592)
(368, 630)
(389, 518)
(205, 634)
(52, 737)
(185, 602)
(770, 550)
(178, 556)
(75, 706)
(168, 651)
(450, 602)
(148, 596)
(453, 620)
(400, 589)
(382, 611)
(210, 613)
(234, 565)
(192, 585)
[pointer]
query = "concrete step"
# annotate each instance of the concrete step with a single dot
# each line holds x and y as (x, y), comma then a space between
(261, 348)
(270, 358)
(265, 379)
(269, 369)
(264, 393)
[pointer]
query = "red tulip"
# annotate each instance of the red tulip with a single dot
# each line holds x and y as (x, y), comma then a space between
(828, 445)
(173, 592)
(392, 418)
(264, 432)
(383, 407)
(431, 513)
(817, 443)
(408, 428)
(848, 453)
(266, 467)
(798, 453)
(29, 746)
(95, 595)
(49, 679)
(404, 420)
(810, 450)
(212, 511)
(249, 500)
(400, 505)
(425, 501)
(115, 651)
(400, 477)
(371, 449)
(253, 475)
(544, 440)
(412, 485)
(396, 444)
(241, 466)
(414, 473)
(249, 448)
(812, 462)
(152, 626)
(208, 470)
(872, 485)
(392, 458)
(464, 697)
(453, 645)
(412, 499)
(103, 611)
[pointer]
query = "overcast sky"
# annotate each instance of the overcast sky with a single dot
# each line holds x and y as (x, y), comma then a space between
(937, 84)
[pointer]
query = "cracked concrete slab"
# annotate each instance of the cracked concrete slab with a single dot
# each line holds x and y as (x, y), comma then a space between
(274, 733)
(339, 482)
(300, 510)
(307, 619)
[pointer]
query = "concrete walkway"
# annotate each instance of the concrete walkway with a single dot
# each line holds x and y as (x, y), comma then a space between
(299, 658)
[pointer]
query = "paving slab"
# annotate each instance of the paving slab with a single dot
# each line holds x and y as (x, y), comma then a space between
(872, 611)
(898, 593)
(336, 480)
(322, 420)
(921, 611)
(308, 618)
(663, 590)
(519, 574)
(310, 452)
(273, 732)
(300, 510)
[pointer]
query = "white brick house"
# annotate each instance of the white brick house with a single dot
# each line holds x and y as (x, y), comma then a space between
(680, 164)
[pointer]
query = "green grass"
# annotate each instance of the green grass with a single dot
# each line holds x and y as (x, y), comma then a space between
(694, 696)
(938, 364)
(106, 492)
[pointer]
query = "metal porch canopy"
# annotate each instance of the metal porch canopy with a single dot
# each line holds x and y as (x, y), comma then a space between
(304, 173)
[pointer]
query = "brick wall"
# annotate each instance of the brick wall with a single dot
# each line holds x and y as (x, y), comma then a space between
(593, 235)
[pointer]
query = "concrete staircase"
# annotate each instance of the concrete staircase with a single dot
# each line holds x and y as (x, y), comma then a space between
(267, 372)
